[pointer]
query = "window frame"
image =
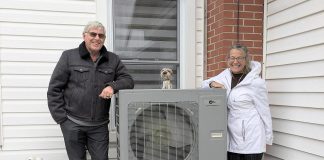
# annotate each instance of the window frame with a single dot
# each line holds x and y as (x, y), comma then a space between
(160, 63)
(187, 38)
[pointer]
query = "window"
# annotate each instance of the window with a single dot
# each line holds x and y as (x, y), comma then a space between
(146, 39)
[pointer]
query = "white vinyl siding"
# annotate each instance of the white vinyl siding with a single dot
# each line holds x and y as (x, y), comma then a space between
(33, 35)
(294, 63)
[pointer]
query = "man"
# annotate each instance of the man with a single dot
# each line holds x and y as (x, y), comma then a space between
(79, 93)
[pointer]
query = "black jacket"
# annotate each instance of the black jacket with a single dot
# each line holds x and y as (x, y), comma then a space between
(77, 81)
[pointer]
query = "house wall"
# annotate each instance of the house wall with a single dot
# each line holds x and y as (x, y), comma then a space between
(294, 63)
(33, 35)
(223, 30)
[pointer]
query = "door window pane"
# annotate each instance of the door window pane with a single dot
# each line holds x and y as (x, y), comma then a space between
(145, 38)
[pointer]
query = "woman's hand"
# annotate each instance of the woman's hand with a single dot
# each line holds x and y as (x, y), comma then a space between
(214, 84)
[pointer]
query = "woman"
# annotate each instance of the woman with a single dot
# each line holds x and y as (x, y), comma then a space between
(249, 119)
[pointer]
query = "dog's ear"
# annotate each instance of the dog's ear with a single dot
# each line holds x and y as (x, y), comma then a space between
(170, 70)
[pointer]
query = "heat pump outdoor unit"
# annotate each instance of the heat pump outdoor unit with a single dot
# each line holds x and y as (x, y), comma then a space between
(175, 124)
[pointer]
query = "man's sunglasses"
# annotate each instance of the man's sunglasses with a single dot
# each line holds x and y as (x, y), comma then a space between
(93, 35)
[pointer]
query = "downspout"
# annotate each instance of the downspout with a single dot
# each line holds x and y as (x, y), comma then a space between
(264, 48)
(238, 23)
(205, 51)
(1, 128)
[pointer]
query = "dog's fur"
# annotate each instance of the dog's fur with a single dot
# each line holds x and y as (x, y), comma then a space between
(166, 75)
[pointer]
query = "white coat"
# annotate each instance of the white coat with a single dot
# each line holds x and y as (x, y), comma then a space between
(249, 119)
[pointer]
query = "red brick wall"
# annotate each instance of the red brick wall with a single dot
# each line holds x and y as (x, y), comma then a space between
(222, 30)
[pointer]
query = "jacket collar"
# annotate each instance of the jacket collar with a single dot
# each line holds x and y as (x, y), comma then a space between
(84, 53)
(254, 73)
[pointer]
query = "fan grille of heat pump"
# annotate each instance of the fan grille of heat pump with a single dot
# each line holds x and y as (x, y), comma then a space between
(164, 131)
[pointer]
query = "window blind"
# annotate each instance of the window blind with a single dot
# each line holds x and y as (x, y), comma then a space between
(146, 39)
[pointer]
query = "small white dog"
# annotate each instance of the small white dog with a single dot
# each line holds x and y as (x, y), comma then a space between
(166, 75)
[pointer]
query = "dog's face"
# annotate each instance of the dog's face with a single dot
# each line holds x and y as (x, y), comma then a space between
(166, 74)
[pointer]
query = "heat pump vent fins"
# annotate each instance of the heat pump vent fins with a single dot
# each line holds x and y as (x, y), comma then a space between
(163, 131)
